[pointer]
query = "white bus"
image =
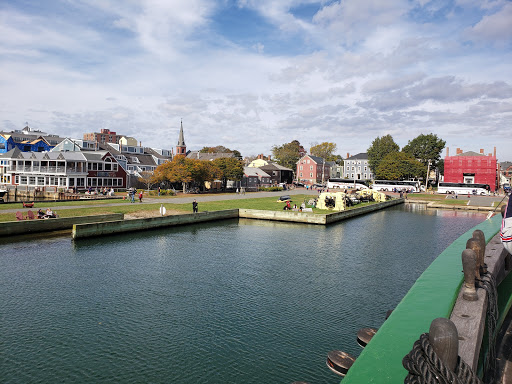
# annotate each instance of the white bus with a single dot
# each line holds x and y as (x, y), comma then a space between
(464, 188)
(347, 184)
(397, 185)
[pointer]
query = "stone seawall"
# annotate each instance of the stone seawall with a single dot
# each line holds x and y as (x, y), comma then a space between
(120, 226)
(311, 218)
(10, 228)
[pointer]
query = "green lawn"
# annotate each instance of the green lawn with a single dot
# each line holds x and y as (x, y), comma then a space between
(266, 203)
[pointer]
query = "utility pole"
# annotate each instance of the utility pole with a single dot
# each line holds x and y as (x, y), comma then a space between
(428, 174)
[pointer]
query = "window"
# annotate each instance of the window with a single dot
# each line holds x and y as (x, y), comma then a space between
(301, 174)
(300, 167)
(310, 167)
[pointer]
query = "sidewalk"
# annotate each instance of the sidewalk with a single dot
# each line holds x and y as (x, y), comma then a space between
(170, 200)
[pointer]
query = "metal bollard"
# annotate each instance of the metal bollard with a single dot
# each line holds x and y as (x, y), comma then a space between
(444, 338)
(469, 267)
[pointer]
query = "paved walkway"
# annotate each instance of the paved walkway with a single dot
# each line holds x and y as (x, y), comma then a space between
(184, 199)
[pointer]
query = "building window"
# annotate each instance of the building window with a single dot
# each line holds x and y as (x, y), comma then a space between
(310, 167)
(311, 175)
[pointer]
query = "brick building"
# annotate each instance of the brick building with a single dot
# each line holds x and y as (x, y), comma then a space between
(471, 167)
(104, 136)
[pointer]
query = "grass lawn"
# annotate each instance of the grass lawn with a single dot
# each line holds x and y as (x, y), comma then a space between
(266, 203)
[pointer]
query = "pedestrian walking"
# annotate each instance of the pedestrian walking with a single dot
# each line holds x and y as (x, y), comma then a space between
(141, 194)
(194, 206)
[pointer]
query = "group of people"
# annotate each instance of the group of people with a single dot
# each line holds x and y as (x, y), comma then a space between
(132, 192)
(105, 191)
(48, 215)
(288, 206)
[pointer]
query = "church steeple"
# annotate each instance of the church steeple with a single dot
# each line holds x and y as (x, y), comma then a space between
(181, 148)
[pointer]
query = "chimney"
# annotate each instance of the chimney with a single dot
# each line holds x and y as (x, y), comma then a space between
(447, 151)
(459, 151)
(494, 151)
(348, 155)
(268, 157)
(140, 143)
(482, 151)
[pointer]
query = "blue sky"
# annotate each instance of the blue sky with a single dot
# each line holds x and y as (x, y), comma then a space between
(250, 74)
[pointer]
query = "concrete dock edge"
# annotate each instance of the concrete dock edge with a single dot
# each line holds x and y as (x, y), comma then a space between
(11, 228)
(120, 226)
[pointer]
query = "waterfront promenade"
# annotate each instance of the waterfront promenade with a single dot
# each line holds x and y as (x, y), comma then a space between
(473, 202)
(179, 199)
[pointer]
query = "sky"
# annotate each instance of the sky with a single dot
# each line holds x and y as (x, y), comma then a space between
(253, 74)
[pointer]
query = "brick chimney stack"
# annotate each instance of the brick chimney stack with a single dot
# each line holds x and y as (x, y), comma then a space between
(348, 155)
(494, 151)
(482, 151)
(447, 151)
(459, 151)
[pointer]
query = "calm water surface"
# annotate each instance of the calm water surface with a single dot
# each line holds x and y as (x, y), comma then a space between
(230, 302)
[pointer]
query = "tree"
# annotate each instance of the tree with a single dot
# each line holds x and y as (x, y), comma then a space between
(324, 150)
(425, 148)
(400, 166)
(288, 154)
(148, 179)
(380, 148)
(229, 169)
(221, 149)
(179, 170)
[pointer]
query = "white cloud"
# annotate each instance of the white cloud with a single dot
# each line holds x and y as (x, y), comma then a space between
(495, 28)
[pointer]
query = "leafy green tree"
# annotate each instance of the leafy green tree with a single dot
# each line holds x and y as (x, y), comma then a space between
(380, 148)
(425, 148)
(229, 169)
(288, 154)
(324, 150)
(400, 166)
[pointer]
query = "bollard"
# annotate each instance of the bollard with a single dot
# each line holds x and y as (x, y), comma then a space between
(469, 267)
(444, 338)
(474, 244)
(479, 235)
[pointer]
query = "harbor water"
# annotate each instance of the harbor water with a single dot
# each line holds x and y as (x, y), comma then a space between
(237, 301)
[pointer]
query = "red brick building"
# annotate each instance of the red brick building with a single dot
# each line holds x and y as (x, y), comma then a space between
(105, 136)
(471, 167)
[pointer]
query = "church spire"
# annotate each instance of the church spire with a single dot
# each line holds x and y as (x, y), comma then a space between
(181, 148)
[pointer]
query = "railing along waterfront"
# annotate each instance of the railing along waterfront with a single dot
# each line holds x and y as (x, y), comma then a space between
(433, 296)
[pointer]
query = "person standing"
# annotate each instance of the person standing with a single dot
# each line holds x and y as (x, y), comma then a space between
(132, 194)
(141, 194)
(506, 226)
(194, 206)
(158, 191)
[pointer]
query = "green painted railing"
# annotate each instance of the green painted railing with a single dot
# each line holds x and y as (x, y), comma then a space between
(432, 296)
